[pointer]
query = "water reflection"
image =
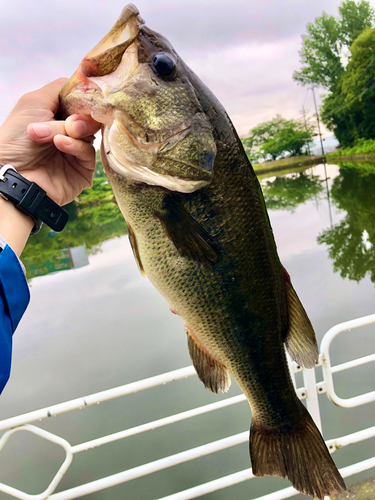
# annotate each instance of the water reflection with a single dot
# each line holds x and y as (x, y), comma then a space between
(287, 192)
(352, 242)
(93, 218)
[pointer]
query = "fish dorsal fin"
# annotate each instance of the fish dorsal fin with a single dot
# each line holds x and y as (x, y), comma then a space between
(188, 236)
(134, 245)
(214, 375)
(300, 339)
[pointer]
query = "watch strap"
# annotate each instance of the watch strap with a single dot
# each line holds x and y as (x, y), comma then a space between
(31, 199)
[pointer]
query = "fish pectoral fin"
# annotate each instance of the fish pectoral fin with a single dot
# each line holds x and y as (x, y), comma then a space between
(214, 375)
(296, 451)
(300, 339)
(188, 236)
(134, 245)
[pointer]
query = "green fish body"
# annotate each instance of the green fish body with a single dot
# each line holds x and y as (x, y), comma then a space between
(200, 232)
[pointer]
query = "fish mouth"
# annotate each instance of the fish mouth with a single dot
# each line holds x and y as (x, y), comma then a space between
(107, 82)
(87, 92)
(105, 57)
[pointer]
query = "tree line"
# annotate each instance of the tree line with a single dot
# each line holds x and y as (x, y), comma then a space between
(338, 54)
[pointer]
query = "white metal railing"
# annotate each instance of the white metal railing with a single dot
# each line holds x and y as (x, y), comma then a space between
(310, 392)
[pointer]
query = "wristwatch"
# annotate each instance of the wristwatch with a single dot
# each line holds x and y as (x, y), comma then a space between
(31, 199)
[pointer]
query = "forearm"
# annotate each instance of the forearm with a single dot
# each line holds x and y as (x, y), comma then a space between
(15, 227)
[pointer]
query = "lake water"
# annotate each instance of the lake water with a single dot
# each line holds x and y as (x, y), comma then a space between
(103, 325)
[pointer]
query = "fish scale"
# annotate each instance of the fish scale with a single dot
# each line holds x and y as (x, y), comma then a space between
(200, 232)
(211, 312)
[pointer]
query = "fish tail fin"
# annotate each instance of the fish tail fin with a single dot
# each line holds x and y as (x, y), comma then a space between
(297, 452)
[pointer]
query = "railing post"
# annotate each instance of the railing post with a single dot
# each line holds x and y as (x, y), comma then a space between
(309, 381)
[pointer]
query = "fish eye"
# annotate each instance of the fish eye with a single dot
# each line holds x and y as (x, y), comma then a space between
(163, 65)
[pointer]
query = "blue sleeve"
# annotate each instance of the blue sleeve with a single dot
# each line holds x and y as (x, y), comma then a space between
(14, 298)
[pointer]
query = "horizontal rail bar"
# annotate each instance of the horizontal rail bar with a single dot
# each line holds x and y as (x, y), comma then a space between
(98, 397)
(157, 465)
(157, 423)
(343, 327)
(356, 437)
(353, 363)
(216, 484)
(191, 454)
(239, 477)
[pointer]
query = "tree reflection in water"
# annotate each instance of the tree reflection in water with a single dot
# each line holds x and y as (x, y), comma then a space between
(93, 218)
(352, 242)
(287, 192)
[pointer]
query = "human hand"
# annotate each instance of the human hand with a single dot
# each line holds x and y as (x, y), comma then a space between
(57, 155)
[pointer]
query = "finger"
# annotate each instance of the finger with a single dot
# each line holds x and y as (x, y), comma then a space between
(82, 150)
(45, 131)
(47, 96)
(78, 126)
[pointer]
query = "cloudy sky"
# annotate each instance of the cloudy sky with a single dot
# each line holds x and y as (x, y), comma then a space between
(244, 50)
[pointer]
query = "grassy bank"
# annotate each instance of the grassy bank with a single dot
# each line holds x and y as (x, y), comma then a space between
(284, 163)
(365, 490)
(363, 150)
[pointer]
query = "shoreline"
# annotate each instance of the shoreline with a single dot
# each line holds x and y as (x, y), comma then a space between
(357, 157)
(276, 166)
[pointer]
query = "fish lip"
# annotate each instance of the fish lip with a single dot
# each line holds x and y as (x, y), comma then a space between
(113, 37)
(126, 29)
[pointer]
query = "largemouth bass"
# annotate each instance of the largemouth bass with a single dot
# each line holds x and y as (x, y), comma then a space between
(200, 232)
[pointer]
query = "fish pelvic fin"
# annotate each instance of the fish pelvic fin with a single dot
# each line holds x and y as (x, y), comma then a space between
(211, 373)
(300, 339)
(297, 452)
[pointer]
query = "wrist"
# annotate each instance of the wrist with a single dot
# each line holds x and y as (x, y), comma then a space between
(15, 226)
(31, 199)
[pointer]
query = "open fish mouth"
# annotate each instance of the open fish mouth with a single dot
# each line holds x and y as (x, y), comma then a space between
(105, 57)
(103, 72)
(149, 135)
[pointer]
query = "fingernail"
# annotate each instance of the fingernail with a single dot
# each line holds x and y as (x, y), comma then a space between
(80, 128)
(67, 140)
(42, 130)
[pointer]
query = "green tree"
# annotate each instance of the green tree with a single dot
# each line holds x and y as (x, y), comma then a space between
(358, 84)
(327, 43)
(349, 110)
(278, 138)
(337, 118)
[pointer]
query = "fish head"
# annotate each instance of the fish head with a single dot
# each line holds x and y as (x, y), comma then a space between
(154, 128)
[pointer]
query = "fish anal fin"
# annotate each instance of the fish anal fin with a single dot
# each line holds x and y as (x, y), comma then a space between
(211, 373)
(300, 339)
(134, 245)
(297, 452)
(189, 237)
